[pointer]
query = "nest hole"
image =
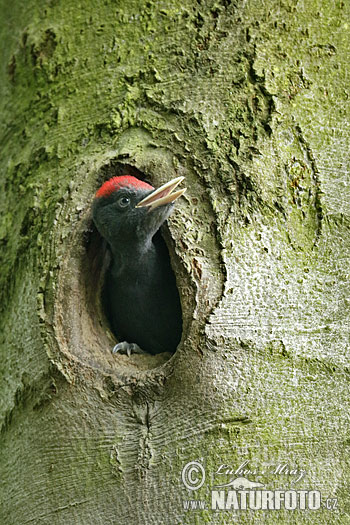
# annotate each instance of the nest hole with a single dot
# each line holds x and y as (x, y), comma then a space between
(95, 264)
(82, 328)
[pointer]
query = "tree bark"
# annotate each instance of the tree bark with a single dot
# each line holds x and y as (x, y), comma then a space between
(249, 101)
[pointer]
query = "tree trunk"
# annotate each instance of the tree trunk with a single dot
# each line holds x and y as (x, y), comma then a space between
(249, 101)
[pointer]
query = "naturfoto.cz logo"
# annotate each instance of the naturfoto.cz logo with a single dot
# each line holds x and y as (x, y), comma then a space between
(241, 493)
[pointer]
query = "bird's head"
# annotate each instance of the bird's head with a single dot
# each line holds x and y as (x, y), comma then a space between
(129, 211)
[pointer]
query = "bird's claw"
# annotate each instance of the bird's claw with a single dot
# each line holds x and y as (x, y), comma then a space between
(127, 348)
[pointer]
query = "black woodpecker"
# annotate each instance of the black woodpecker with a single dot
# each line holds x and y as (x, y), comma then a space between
(141, 297)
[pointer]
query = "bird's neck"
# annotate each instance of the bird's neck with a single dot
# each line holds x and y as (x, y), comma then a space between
(131, 257)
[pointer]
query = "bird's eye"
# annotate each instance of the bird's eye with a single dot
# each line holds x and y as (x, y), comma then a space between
(123, 202)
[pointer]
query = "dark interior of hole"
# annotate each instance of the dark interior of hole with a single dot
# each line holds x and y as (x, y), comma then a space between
(116, 169)
(101, 261)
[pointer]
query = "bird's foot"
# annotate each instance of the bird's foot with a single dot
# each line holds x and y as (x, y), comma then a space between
(127, 348)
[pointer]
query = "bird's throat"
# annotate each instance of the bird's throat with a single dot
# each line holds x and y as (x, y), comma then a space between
(133, 259)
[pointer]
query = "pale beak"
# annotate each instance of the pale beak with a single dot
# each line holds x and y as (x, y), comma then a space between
(163, 195)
